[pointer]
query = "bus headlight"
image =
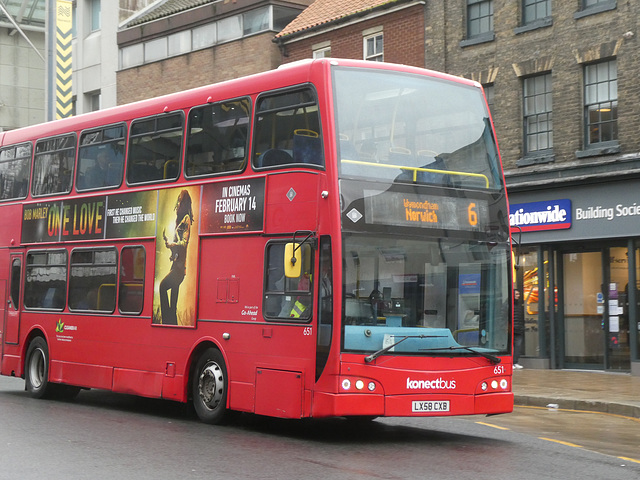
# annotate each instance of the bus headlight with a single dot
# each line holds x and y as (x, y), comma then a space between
(346, 384)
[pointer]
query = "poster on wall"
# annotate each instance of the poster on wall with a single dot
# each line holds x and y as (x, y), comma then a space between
(174, 299)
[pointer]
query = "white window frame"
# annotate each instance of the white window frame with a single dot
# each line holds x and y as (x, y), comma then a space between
(376, 56)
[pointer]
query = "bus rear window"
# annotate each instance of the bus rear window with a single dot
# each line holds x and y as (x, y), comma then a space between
(15, 163)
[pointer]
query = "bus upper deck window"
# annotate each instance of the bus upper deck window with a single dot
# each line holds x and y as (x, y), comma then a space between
(155, 149)
(15, 166)
(53, 165)
(101, 158)
(218, 138)
(288, 130)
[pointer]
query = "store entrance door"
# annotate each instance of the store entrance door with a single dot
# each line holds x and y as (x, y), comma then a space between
(616, 318)
(583, 310)
(596, 311)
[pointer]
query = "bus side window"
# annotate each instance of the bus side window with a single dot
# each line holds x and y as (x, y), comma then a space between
(53, 165)
(155, 148)
(288, 130)
(101, 158)
(15, 166)
(131, 291)
(92, 283)
(16, 270)
(46, 279)
(218, 137)
(285, 297)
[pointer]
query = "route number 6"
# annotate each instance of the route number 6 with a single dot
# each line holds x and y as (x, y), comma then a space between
(473, 215)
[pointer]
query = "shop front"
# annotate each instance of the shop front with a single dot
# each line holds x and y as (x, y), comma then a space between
(577, 251)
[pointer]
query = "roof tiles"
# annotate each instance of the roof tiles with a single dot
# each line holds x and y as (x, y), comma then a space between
(326, 11)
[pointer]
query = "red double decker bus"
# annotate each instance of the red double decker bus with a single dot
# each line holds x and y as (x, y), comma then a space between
(327, 239)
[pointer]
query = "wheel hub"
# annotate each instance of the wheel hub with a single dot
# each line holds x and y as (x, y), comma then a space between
(211, 385)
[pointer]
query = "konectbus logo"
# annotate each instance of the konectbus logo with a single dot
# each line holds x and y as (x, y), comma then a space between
(437, 384)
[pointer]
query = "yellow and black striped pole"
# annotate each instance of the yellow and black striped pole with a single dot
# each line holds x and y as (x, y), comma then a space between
(64, 26)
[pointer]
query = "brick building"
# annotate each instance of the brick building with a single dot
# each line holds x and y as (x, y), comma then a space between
(180, 44)
(560, 79)
(380, 30)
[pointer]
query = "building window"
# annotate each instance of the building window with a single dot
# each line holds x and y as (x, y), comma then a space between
(179, 43)
(132, 55)
(230, 28)
(256, 21)
(601, 102)
(374, 47)
(324, 52)
(479, 18)
(538, 120)
(535, 10)
(204, 36)
(155, 50)
(594, 3)
(95, 15)
(489, 93)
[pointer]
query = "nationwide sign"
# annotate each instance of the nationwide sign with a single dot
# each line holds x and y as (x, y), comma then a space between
(538, 216)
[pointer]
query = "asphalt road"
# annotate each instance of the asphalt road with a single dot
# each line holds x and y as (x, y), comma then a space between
(103, 435)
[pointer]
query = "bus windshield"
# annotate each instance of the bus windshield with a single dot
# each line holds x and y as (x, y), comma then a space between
(398, 127)
(447, 296)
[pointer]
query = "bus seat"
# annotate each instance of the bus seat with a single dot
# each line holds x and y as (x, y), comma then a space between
(114, 174)
(273, 157)
(400, 156)
(141, 172)
(307, 147)
(170, 169)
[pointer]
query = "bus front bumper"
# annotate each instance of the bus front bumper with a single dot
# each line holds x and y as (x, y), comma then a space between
(416, 405)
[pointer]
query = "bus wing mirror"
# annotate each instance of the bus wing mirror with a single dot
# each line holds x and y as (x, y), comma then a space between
(292, 260)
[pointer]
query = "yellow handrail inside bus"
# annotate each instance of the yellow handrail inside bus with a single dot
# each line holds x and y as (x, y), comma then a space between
(415, 170)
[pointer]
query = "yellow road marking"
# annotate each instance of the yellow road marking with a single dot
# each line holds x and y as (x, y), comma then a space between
(492, 426)
(560, 442)
(629, 459)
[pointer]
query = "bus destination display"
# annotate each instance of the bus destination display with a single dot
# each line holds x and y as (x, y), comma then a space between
(425, 211)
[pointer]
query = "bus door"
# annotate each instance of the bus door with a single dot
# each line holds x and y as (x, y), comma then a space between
(11, 299)
(324, 326)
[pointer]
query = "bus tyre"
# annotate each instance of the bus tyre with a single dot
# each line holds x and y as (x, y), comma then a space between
(37, 369)
(209, 387)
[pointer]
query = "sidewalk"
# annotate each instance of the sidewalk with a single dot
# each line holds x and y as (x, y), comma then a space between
(615, 393)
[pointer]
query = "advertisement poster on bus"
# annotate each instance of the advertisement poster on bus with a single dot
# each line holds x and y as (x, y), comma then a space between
(132, 215)
(233, 206)
(174, 300)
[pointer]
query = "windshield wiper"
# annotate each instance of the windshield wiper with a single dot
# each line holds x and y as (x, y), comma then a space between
(488, 356)
(374, 355)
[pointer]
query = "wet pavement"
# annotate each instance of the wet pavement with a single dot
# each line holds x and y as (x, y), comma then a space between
(614, 393)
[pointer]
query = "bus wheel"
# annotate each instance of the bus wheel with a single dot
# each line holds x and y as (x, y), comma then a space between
(210, 387)
(37, 369)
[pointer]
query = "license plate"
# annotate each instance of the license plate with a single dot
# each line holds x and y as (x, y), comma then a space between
(430, 406)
